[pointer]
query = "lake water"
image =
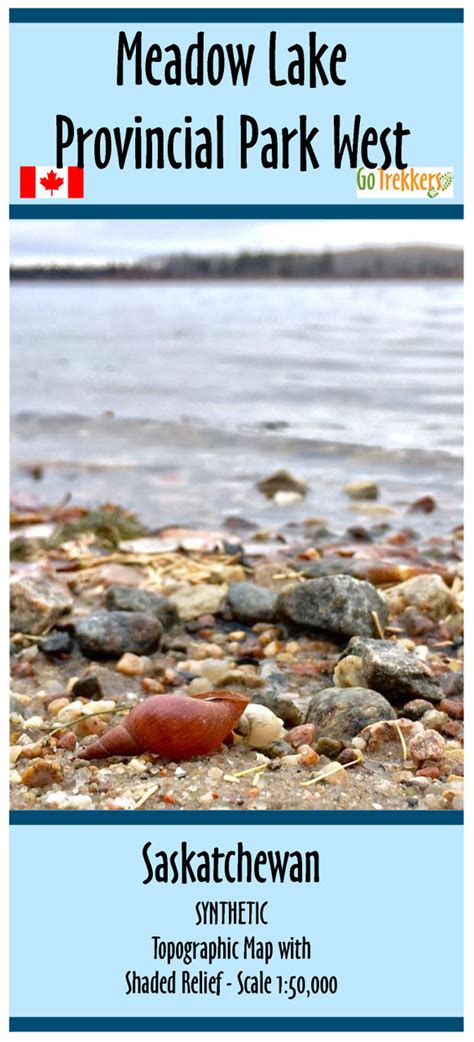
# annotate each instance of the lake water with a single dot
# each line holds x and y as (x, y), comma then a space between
(175, 398)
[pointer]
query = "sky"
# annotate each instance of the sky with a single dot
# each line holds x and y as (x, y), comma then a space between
(80, 241)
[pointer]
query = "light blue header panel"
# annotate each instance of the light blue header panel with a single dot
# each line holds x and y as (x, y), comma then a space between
(408, 73)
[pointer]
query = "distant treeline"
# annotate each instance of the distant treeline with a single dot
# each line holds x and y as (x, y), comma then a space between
(400, 262)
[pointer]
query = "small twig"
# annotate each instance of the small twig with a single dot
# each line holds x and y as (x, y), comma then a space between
(146, 797)
(402, 740)
(32, 637)
(68, 724)
(241, 774)
(332, 768)
(377, 626)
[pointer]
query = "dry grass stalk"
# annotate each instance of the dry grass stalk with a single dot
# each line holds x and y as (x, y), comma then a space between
(329, 770)
(377, 626)
(146, 796)
(242, 774)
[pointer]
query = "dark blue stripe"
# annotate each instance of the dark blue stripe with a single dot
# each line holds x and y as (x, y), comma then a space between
(236, 817)
(280, 212)
(206, 14)
(236, 1023)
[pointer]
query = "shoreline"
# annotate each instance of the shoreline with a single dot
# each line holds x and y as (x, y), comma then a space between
(237, 614)
(403, 263)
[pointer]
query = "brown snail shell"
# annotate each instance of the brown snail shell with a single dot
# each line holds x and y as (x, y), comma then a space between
(172, 726)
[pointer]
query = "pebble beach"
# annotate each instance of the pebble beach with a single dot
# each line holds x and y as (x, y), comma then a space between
(346, 647)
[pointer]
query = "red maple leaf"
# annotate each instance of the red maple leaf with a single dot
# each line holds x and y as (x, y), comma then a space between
(51, 183)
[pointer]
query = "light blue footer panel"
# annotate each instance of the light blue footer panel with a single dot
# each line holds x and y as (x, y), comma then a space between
(356, 938)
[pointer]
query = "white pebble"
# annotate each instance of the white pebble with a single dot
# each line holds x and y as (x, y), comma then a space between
(82, 802)
(137, 766)
(56, 799)
(200, 685)
(70, 712)
(131, 698)
(259, 726)
(214, 669)
(17, 720)
(103, 705)
(34, 721)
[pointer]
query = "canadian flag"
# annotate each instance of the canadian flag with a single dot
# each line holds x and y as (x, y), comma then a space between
(49, 182)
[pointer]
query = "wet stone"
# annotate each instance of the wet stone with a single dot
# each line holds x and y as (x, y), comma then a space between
(281, 481)
(435, 720)
(59, 643)
(128, 598)
(423, 505)
(283, 707)
(191, 602)
(426, 745)
(415, 709)
(303, 734)
(383, 740)
(251, 603)
(343, 712)
(416, 624)
(453, 685)
(387, 667)
(330, 565)
(349, 756)
(36, 602)
(428, 593)
(100, 682)
(111, 634)
(452, 708)
(276, 750)
(337, 604)
(362, 490)
(329, 747)
(42, 772)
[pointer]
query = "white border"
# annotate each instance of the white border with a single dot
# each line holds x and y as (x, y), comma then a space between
(413, 956)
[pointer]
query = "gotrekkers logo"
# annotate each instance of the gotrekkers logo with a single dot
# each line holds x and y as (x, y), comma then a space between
(444, 182)
(430, 181)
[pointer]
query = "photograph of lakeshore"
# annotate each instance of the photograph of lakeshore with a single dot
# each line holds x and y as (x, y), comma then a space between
(236, 515)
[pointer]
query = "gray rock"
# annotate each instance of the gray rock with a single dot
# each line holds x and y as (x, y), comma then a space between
(57, 643)
(328, 565)
(362, 490)
(336, 604)
(128, 598)
(387, 667)
(251, 603)
(452, 685)
(282, 705)
(341, 712)
(277, 749)
(101, 682)
(329, 747)
(275, 677)
(36, 602)
(281, 481)
(109, 634)
(415, 709)
(428, 593)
